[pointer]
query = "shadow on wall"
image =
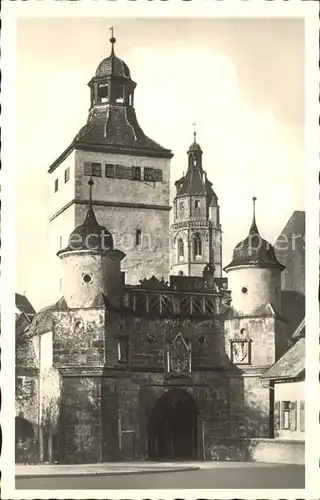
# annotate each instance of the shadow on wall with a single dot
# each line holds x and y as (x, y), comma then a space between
(293, 309)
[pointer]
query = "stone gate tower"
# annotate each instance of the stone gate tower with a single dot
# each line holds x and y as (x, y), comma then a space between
(196, 236)
(131, 172)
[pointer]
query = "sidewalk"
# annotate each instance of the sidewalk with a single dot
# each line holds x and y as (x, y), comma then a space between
(114, 468)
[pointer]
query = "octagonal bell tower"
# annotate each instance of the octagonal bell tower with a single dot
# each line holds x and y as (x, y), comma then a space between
(196, 235)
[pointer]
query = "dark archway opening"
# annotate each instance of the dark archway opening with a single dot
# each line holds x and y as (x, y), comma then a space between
(172, 427)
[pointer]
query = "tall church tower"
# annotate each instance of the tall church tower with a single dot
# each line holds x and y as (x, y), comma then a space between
(132, 178)
(196, 236)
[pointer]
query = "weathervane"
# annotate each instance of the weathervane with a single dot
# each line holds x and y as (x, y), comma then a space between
(194, 131)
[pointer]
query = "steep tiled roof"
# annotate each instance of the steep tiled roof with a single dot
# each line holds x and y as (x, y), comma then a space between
(42, 321)
(23, 304)
(290, 365)
(254, 250)
(117, 126)
(193, 183)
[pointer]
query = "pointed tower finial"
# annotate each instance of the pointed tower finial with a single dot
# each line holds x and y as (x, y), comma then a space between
(112, 40)
(254, 228)
(194, 132)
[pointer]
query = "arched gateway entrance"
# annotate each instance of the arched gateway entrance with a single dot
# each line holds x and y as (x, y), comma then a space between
(172, 427)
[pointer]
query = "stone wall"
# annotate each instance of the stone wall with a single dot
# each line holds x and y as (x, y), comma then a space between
(257, 450)
(78, 338)
(80, 420)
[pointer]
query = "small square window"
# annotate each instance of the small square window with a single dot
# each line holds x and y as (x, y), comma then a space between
(66, 174)
(56, 185)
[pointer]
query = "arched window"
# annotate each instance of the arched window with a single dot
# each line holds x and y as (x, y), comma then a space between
(197, 246)
(180, 249)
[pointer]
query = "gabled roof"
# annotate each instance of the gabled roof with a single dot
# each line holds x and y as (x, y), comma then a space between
(23, 304)
(290, 365)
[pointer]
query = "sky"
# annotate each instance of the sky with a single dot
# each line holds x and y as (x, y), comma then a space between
(240, 80)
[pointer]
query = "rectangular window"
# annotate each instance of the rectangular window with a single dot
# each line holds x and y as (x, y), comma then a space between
(122, 172)
(138, 237)
(285, 415)
(109, 170)
(157, 174)
(66, 174)
(136, 173)
(96, 170)
(302, 416)
(197, 204)
(87, 169)
(123, 350)
(148, 174)
(56, 185)
(92, 169)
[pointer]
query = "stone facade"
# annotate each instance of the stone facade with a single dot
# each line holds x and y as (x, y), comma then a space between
(147, 368)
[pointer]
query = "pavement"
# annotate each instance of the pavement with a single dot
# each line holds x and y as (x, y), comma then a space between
(155, 475)
(61, 470)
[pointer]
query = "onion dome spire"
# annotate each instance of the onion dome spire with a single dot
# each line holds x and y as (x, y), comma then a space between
(254, 250)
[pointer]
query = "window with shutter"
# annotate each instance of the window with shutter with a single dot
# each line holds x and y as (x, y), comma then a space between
(122, 172)
(87, 168)
(96, 170)
(285, 415)
(92, 169)
(157, 174)
(136, 173)
(276, 425)
(148, 174)
(109, 170)
(302, 416)
(293, 416)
